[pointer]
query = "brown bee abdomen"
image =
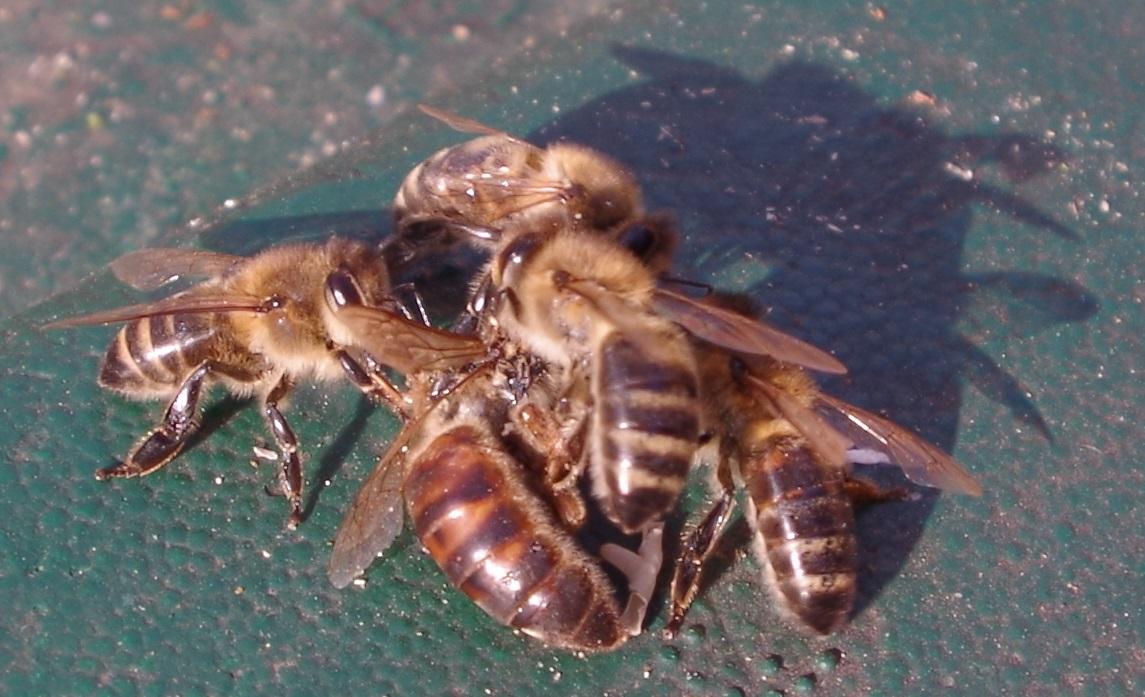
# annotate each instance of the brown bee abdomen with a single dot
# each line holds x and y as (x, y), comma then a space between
(807, 525)
(155, 354)
(495, 541)
(647, 425)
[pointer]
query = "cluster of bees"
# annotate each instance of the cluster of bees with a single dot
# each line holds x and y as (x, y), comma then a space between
(550, 431)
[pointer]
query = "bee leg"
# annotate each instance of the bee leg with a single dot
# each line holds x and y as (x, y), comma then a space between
(419, 303)
(370, 379)
(291, 473)
(542, 434)
(690, 565)
(167, 440)
(864, 492)
(641, 569)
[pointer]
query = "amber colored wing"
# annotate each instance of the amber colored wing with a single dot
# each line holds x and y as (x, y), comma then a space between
(148, 269)
(460, 123)
(742, 334)
(827, 442)
(920, 461)
(406, 345)
(198, 302)
(374, 519)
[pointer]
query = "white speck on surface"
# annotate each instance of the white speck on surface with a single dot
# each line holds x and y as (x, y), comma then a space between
(376, 96)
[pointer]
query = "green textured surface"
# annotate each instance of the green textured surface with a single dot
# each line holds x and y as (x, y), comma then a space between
(975, 262)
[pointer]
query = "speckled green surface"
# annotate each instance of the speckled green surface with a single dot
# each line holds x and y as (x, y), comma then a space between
(946, 196)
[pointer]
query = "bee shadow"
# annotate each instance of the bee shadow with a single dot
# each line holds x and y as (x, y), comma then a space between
(859, 212)
(335, 454)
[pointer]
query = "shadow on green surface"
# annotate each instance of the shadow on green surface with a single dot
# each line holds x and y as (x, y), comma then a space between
(859, 210)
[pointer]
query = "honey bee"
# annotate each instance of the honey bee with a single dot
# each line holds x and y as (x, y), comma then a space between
(257, 325)
(496, 184)
(592, 309)
(791, 447)
(584, 306)
(473, 495)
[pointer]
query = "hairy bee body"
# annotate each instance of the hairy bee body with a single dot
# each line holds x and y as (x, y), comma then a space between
(806, 523)
(151, 356)
(497, 185)
(645, 427)
(497, 542)
(583, 303)
(476, 504)
(258, 325)
(789, 445)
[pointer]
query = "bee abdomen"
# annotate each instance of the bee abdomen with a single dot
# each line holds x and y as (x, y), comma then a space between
(646, 431)
(409, 193)
(807, 525)
(155, 354)
(494, 540)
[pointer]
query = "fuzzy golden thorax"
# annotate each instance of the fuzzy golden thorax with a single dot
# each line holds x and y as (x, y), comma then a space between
(554, 289)
(297, 334)
(605, 193)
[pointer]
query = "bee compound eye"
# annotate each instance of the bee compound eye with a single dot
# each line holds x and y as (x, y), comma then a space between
(516, 254)
(637, 238)
(342, 290)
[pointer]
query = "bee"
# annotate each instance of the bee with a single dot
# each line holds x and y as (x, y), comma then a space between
(591, 307)
(257, 325)
(475, 499)
(496, 184)
(790, 446)
(583, 305)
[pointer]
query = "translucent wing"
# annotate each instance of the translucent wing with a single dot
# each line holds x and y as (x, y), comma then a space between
(616, 311)
(197, 302)
(510, 194)
(374, 519)
(827, 442)
(460, 123)
(148, 269)
(920, 461)
(742, 334)
(408, 346)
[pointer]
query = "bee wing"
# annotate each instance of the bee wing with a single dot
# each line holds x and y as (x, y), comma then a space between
(827, 442)
(198, 302)
(922, 462)
(460, 123)
(148, 269)
(742, 334)
(408, 346)
(515, 194)
(374, 519)
(619, 313)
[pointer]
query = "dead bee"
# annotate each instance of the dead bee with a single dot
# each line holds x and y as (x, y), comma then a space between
(788, 445)
(476, 506)
(258, 325)
(497, 184)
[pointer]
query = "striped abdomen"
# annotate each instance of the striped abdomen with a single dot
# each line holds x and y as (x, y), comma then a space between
(807, 524)
(496, 542)
(646, 426)
(152, 356)
(477, 182)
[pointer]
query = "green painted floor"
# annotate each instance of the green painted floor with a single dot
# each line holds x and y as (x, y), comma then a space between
(945, 195)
